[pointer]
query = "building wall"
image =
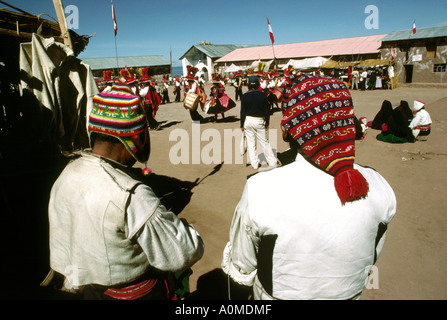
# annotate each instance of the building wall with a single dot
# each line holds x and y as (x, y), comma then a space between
(421, 61)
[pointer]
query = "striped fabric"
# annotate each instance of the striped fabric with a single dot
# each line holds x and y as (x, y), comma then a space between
(117, 113)
(320, 117)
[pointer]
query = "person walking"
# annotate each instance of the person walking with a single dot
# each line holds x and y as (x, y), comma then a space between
(165, 89)
(255, 119)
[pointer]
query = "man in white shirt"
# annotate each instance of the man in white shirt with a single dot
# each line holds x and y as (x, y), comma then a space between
(110, 236)
(311, 229)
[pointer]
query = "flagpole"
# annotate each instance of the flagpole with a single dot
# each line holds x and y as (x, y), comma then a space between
(115, 28)
(116, 54)
(274, 58)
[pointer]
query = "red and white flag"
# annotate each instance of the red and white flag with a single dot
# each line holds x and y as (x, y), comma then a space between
(115, 26)
(414, 27)
(270, 31)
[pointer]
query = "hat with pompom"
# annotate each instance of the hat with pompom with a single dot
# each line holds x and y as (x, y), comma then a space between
(320, 117)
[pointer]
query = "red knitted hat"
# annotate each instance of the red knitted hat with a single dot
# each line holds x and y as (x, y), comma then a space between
(320, 117)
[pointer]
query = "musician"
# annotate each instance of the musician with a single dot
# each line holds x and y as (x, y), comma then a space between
(194, 88)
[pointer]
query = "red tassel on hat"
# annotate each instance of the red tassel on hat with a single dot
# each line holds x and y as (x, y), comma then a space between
(350, 185)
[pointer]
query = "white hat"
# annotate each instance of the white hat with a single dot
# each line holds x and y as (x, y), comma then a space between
(418, 105)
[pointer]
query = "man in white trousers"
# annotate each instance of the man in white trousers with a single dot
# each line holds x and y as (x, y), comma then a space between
(255, 118)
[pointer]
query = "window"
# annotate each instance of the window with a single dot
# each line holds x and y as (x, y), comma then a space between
(431, 51)
(439, 67)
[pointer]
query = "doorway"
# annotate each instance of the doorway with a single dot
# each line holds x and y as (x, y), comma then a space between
(409, 73)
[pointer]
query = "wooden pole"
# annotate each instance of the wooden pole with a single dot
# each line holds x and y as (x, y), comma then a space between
(65, 34)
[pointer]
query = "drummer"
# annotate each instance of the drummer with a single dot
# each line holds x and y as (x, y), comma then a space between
(194, 88)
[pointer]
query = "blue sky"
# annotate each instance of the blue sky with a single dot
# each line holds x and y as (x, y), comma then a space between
(147, 27)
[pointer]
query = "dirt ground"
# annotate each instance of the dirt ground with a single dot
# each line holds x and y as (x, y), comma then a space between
(414, 258)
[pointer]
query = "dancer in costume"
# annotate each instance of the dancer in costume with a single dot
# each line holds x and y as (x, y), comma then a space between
(220, 102)
(150, 100)
(194, 87)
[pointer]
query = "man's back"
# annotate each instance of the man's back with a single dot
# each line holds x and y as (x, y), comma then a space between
(323, 250)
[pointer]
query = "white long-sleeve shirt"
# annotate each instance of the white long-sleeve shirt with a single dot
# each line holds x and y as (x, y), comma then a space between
(421, 118)
(167, 242)
(323, 250)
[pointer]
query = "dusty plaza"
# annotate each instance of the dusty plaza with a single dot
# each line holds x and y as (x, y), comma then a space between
(414, 258)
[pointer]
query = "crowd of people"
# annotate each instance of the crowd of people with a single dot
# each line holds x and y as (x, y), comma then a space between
(362, 78)
(309, 229)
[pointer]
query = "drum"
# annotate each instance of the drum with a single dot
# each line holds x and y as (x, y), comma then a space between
(191, 101)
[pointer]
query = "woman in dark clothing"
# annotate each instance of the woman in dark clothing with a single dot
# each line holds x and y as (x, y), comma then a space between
(383, 115)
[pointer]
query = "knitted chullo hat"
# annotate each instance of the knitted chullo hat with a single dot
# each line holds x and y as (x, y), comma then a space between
(118, 113)
(320, 117)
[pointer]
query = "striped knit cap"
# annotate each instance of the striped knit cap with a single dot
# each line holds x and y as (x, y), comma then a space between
(118, 113)
(320, 117)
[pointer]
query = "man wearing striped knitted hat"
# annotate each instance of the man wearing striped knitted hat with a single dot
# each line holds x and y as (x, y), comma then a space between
(311, 229)
(109, 235)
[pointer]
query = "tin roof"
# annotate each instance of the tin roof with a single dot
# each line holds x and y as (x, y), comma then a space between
(421, 33)
(213, 51)
(324, 48)
(137, 61)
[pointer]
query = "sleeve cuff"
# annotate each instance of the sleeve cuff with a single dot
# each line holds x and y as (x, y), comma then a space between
(229, 268)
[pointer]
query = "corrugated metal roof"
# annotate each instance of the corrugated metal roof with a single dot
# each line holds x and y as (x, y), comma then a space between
(137, 61)
(421, 33)
(325, 48)
(214, 51)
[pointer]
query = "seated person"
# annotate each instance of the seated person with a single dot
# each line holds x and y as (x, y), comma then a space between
(420, 125)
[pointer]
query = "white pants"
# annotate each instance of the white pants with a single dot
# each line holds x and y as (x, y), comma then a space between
(254, 129)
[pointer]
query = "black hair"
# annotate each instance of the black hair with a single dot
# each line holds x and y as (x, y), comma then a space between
(253, 82)
(96, 136)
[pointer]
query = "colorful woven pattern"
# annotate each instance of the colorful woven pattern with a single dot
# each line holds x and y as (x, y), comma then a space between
(320, 117)
(121, 115)
(117, 114)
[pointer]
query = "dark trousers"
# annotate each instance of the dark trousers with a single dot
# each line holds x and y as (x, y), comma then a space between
(165, 97)
(177, 95)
